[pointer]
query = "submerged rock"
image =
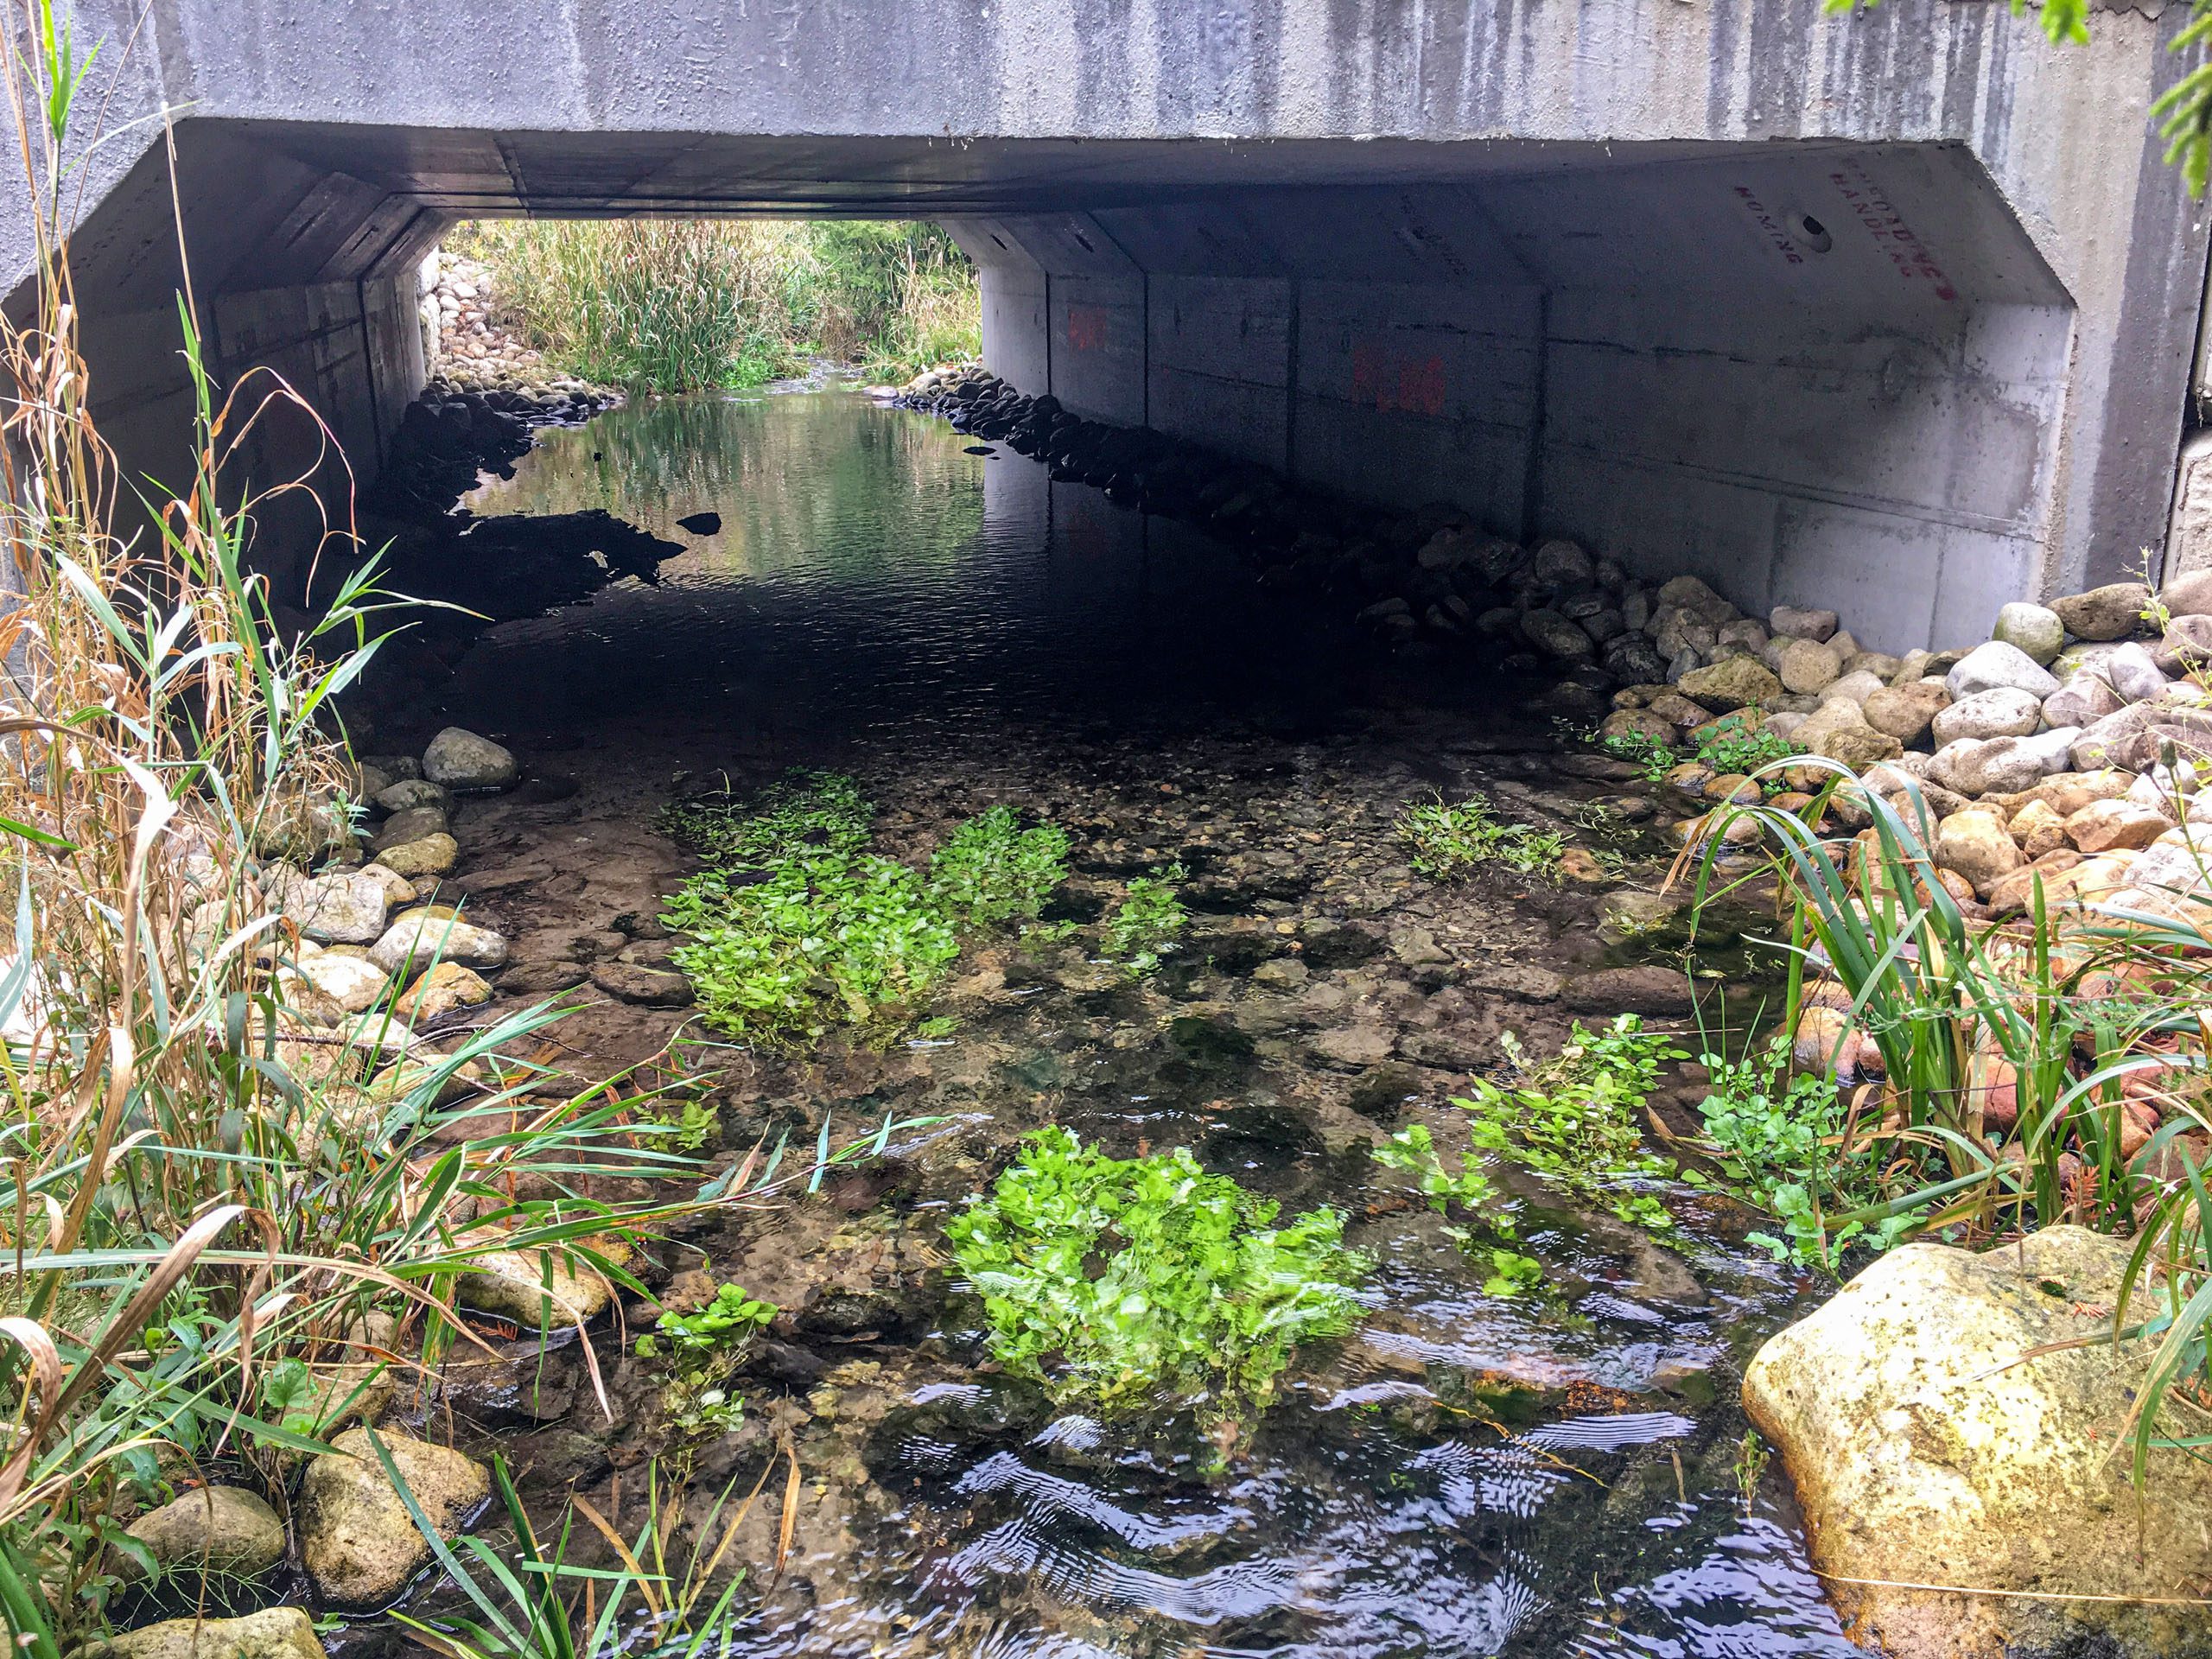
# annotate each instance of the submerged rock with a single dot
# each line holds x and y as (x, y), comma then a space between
(536, 1289)
(1935, 1436)
(435, 935)
(273, 1633)
(461, 760)
(359, 1544)
(225, 1530)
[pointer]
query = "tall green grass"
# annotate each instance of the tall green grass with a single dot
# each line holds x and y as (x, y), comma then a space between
(218, 1217)
(2068, 1011)
(683, 305)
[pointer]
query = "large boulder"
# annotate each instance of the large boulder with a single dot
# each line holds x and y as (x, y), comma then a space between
(2085, 698)
(2112, 611)
(347, 907)
(273, 1633)
(447, 987)
(461, 760)
(2134, 672)
(353, 984)
(2035, 629)
(1857, 685)
(434, 855)
(357, 1540)
(1808, 665)
(1987, 667)
(1557, 635)
(2000, 712)
(436, 934)
(2002, 765)
(1675, 630)
(2177, 865)
(2188, 596)
(223, 1531)
(536, 1289)
(1561, 563)
(1905, 711)
(2186, 644)
(2116, 826)
(1691, 593)
(1731, 684)
(1950, 1419)
(1793, 622)
(2104, 743)
(1979, 845)
(412, 824)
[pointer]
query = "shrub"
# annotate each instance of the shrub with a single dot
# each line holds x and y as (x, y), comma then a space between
(1118, 1281)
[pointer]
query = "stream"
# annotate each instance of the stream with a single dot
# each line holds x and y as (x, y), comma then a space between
(1463, 1474)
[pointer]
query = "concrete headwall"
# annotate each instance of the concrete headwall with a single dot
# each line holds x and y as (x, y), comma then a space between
(1533, 254)
(1830, 375)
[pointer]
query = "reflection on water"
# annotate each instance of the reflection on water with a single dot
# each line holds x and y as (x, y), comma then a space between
(1466, 1475)
(869, 571)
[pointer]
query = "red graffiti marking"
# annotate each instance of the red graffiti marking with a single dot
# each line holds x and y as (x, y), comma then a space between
(1392, 380)
(1086, 328)
(1871, 205)
(1770, 227)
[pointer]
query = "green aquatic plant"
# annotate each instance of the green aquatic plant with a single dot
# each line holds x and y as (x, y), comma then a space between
(991, 871)
(1450, 839)
(1413, 1150)
(726, 1322)
(1775, 1138)
(703, 1349)
(1119, 1282)
(1652, 758)
(1512, 1273)
(1737, 744)
(796, 926)
(1573, 1120)
(1147, 920)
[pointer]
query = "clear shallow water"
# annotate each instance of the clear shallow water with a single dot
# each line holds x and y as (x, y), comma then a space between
(871, 575)
(1465, 1476)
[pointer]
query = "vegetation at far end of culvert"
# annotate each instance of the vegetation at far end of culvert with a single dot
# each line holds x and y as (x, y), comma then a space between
(672, 305)
(1572, 1119)
(1449, 839)
(797, 926)
(1123, 1282)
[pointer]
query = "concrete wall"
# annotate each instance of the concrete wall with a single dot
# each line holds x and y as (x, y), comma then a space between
(1826, 374)
(1465, 176)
